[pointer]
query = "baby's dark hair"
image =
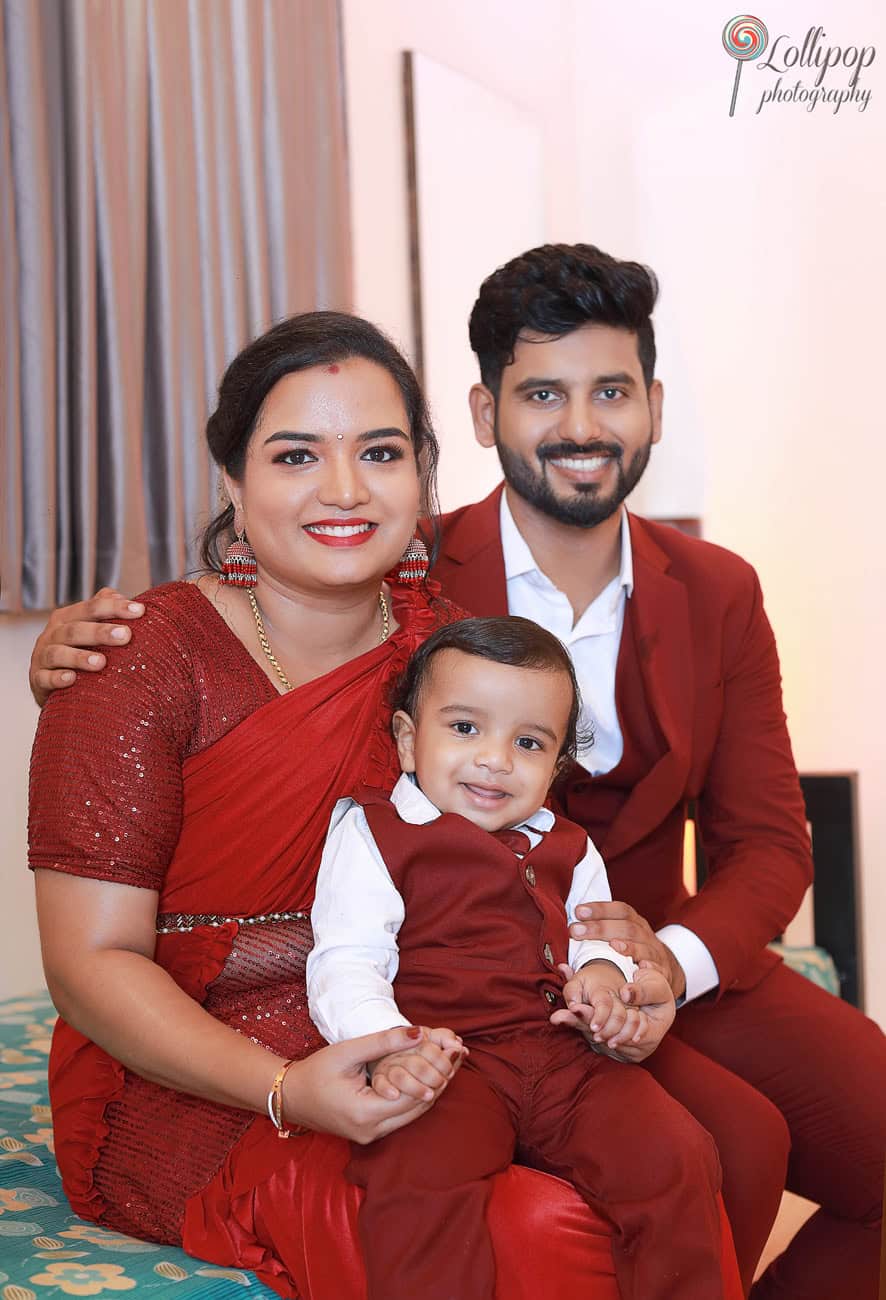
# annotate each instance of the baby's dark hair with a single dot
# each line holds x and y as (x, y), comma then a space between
(515, 641)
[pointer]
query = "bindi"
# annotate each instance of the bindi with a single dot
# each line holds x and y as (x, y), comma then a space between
(332, 370)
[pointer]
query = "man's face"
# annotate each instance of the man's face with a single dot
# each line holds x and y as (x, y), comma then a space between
(574, 423)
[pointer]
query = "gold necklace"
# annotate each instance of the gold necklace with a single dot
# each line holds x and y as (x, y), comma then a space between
(266, 645)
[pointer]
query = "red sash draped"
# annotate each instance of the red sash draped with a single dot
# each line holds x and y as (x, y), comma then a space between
(257, 803)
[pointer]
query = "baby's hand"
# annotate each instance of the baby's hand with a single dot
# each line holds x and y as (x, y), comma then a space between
(422, 1071)
(625, 1021)
(594, 1007)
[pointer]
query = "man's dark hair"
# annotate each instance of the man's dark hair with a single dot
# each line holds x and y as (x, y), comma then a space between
(554, 290)
(515, 641)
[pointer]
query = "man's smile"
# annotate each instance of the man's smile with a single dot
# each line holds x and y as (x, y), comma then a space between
(580, 464)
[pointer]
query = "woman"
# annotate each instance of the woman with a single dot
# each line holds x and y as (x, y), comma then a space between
(179, 802)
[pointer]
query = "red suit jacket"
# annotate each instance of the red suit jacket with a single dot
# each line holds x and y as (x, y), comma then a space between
(698, 691)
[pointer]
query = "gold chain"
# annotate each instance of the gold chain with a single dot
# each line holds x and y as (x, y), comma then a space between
(266, 645)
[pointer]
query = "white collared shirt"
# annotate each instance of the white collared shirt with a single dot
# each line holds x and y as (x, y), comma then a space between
(358, 912)
(593, 644)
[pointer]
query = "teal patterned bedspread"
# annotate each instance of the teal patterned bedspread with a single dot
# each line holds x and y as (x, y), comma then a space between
(46, 1252)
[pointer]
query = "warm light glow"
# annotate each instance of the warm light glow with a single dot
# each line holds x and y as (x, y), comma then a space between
(689, 876)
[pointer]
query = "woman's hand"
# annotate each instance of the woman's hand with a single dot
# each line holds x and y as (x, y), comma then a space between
(330, 1091)
(59, 655)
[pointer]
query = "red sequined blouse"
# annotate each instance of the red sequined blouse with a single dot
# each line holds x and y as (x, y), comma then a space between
(181, 769)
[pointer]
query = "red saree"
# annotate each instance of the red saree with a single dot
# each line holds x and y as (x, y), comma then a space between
(196, 779)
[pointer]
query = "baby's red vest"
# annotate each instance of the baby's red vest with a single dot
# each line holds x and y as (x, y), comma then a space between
(484, 929)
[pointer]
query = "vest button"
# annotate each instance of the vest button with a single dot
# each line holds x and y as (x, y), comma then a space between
(548, 954)
(551, 997)
(530, 876)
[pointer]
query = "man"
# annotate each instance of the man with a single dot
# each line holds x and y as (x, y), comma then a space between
(679, 673)
(680, 676)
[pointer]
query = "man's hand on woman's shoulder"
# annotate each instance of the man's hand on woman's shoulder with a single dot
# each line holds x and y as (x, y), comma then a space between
(71, 639)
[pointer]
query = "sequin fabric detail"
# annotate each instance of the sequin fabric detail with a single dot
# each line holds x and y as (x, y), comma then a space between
(119, 740)
(162, 1146)
(184, 922)
(261, 990)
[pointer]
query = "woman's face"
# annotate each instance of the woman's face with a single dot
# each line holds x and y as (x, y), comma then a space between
(330, 489)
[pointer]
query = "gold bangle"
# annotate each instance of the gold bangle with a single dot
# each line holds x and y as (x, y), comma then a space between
(275, 1104)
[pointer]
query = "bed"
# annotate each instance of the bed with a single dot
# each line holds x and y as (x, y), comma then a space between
(45, 1250)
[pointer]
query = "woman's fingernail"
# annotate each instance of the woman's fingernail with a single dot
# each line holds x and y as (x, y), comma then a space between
(135, 608)
(67, 678)
(579, 929)
(94, 660)
(119, 633)
(413, 1031)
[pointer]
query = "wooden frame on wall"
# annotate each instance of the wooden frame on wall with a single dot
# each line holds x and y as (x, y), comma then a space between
(474, 164)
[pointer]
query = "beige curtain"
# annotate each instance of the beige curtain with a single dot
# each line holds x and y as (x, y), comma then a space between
(172, 179)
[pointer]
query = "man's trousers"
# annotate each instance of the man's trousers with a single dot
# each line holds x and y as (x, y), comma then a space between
(787, 1074)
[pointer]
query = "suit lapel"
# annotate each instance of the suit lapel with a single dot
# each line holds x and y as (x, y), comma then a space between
(659, 611)
(471, 565)
(471, 571)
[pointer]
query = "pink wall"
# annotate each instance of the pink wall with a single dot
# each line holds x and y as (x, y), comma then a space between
(766, 231)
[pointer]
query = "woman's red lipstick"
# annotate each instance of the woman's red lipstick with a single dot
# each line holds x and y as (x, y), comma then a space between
(340, 532)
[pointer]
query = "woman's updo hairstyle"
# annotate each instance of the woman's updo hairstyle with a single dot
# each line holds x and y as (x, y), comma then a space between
(314, 338)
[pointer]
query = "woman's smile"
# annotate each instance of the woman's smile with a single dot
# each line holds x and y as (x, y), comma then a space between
(341, 532)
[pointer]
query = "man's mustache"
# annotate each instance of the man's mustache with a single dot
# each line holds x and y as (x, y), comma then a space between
(556, 450)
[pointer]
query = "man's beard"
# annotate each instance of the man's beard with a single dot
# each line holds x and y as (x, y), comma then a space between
(587, 507)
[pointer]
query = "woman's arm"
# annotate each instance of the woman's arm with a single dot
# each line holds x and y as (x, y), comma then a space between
(98, 940)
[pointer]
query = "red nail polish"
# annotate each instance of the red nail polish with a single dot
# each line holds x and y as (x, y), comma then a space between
(413, 1031)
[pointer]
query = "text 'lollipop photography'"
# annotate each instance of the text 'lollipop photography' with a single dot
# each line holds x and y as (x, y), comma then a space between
(812, 72)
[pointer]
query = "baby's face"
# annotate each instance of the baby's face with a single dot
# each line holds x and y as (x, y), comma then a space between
(487, 737)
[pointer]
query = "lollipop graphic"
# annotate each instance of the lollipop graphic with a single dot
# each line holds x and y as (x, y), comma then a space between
(744, 37)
